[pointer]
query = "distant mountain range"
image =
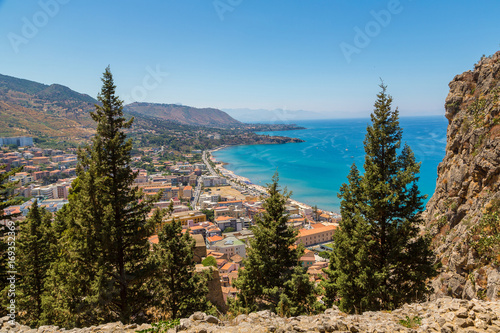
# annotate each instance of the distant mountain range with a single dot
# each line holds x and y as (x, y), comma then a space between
(184, 114)
(278, 116)
(34, 109)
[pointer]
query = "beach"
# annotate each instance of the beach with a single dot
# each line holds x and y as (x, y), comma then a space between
(246, 184)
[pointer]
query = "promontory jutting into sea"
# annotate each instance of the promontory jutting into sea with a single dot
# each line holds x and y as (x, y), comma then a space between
(315, 169)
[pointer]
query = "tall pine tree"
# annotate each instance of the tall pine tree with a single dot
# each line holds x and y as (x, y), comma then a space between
(34, 256)
(273, 261)
(179, 289)
(105, 245)
(349, 261)
(7, 199)
(380, 260)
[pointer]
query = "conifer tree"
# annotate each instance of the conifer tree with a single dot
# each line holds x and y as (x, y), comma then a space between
(105, 245)
(380, 260)
(349, 265)
(7, 199)
(179, 289)
(299, 295)
(273, 261)
(34, 256)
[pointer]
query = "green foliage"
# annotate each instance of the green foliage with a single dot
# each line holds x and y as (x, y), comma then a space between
(229, 229)
(411, 322)
(35, 253)
(7, 199)
(179, 290)
(485, 237)
(481, 294)
(479, 107)
(102, 269)
(209, 261)
(272, 264)
(299, 295)
(324, 254)
(162, 326)
(379, 259)
(209, 213)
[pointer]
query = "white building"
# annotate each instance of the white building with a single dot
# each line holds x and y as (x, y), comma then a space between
(209, 181)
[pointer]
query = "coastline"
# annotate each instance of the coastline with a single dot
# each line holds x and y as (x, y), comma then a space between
(258, 188)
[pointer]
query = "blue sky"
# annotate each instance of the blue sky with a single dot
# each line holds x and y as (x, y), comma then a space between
(252, 53)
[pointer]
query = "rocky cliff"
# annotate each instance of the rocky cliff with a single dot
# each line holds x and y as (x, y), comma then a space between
(462, 215)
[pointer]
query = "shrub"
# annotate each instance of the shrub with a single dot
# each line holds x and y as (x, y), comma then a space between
(411, 322)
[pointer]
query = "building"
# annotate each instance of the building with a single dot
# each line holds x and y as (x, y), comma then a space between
(292, 209)
(200, 166)
(20, 141)
(142, 177)
(318, 233)
(23, 178)
(169, 192)
(230, 246)
(40, 160)
(187, 192)
(224, 222)
(230, 211)
(308, 259)
(45, 192)
(209, 181)
(236, 203)
(184, 218)
(214, 239)
(229, 267)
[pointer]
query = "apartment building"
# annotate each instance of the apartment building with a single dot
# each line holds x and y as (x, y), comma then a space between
(318, 233)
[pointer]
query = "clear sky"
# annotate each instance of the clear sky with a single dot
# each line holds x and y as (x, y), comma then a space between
(317, 55)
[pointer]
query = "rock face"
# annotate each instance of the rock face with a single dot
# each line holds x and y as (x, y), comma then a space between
(467, 189)
(441, 315)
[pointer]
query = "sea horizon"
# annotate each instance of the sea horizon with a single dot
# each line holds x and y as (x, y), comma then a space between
(315, 169)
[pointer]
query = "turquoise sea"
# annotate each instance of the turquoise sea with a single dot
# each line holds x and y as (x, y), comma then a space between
(314, 170)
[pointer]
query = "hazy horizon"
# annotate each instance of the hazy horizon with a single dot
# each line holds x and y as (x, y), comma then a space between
(323, 57)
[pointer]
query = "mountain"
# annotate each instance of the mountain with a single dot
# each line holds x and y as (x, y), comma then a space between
(29, 108)
(184, 114)
(275, 116)
(463, 214)
(34, 109)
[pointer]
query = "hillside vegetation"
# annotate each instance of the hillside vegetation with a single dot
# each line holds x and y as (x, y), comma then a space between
(56, 115)
(185, 114)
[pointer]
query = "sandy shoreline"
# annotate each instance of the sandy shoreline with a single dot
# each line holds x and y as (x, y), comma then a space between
(253, 186)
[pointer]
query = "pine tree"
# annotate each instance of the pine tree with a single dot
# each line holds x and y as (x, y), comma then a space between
(380, 260)
(179, 289)
(105, 246)
(349, 265)
(299, 295)
(7, 230)
(273, 260)
(34, 256)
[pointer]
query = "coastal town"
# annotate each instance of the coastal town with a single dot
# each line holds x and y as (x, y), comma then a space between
(217, 207)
